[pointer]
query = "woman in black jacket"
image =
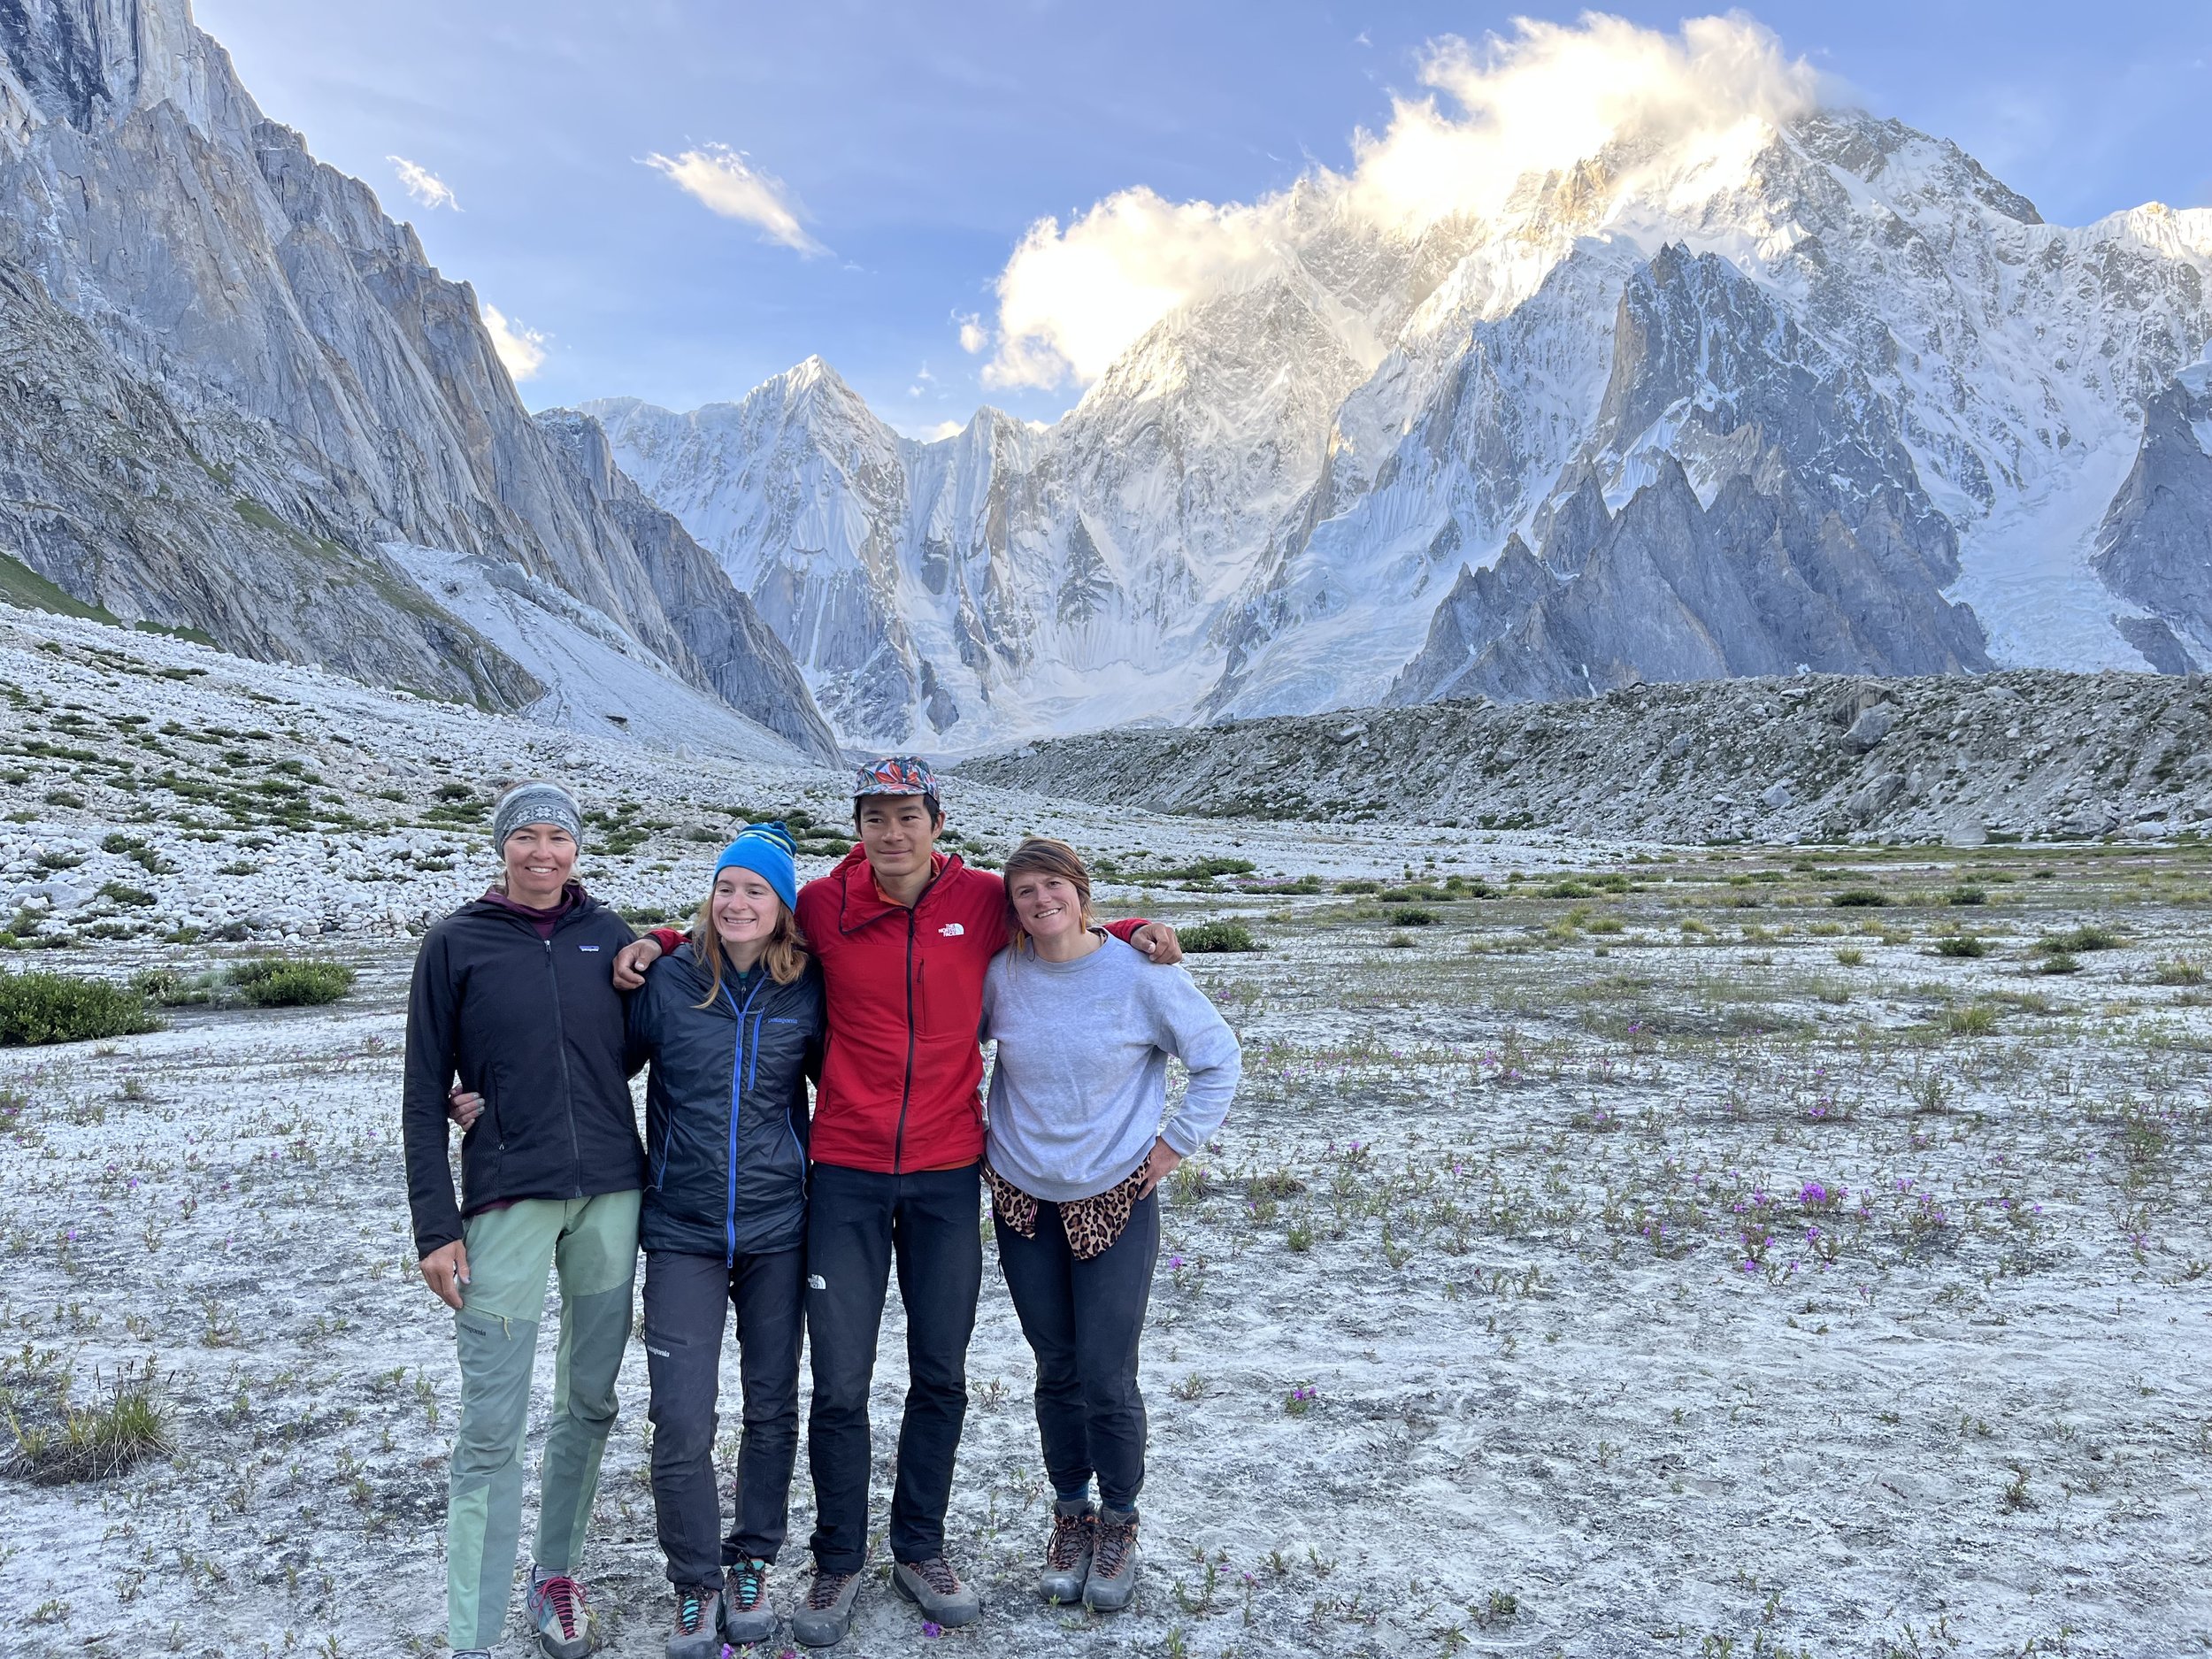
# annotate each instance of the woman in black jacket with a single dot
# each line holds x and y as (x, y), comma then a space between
(732, 1023)
(512, 994)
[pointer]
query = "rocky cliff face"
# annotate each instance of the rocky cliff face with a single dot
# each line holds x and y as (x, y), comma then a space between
(1889, 388)
(2155, 546)
(294, 334)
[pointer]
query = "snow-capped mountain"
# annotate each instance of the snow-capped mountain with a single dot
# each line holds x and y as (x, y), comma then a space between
(1819, 391)
(236, 382)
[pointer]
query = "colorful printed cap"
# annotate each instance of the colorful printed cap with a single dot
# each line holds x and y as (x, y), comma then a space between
(895, 774)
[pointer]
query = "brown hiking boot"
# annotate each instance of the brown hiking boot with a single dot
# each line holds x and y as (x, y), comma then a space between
(1068, 1552)
(822, 1618)
(934, 1587)
(1113, 1579)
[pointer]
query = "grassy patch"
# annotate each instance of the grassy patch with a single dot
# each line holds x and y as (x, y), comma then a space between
(1212, 938)
(262, 982)
(1858, 898)
(1961, 945)
(126, 1425)
(1412, 917)
(42, 1007)
(2085, 938)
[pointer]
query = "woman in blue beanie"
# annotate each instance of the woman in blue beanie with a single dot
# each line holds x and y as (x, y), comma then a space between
(732, 1023)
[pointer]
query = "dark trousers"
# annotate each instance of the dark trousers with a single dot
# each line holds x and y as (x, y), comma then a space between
(686, 1297)
(856, 1221)
(1083, 1319)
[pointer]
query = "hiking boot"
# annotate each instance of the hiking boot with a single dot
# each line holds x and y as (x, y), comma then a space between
(1067, 1553)
(746, 1613)
(695, 1636)
(558, 1615)
(1113, 1579)
(822, 1618)
(934, 1587)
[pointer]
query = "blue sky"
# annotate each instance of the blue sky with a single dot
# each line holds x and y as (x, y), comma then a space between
(893, 155)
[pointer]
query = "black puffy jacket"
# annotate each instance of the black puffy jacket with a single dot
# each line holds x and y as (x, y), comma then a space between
(536, 1028)
(725, 1108)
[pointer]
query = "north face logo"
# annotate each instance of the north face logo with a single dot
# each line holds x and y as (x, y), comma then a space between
(952, 930)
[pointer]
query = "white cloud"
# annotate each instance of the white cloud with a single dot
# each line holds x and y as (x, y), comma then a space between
(424, 186)
(725, 182)
(941, 430)
(521, 349)
(973, 336)
(1071, 300)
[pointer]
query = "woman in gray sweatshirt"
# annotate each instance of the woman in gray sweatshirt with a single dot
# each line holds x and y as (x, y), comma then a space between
(1084, 1026)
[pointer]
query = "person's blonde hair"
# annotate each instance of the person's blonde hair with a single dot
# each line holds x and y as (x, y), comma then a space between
(784, 955)
(1042, 856)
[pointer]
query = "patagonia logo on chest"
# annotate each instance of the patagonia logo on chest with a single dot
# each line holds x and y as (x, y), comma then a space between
(953, 930)
(587, 947)
(781, 1019)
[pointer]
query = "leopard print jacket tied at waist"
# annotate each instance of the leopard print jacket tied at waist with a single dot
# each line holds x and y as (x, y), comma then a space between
(1091, 1224)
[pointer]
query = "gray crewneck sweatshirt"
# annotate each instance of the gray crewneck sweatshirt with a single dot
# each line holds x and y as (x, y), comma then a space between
(1081, 1076)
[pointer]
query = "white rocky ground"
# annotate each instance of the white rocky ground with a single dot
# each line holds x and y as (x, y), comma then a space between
(1486, 1194)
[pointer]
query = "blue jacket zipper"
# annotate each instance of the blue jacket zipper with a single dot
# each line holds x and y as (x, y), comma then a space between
(740, 1080)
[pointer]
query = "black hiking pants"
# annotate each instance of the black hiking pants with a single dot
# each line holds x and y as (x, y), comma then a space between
(1083, 1319)
(685, 1298)
(857, 1223)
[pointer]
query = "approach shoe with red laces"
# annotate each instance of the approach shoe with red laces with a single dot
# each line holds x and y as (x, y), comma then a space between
(698, 1633)
(558, 1615)
(1068, 1551)
(746, 1613)
(826, 1613)
(934, 1587)
(1113, 1579)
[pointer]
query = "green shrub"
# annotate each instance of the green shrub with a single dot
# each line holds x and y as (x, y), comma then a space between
(172, 989)
(1977, 1019)
(2085, 938)
(1359, 886)
(41, 1007)
(122, 893)
(2061, 961)
(91, 1442)
(1216, 937)
(1961, 945)
(286, 982)
(1858, 898)
(1413, 916)
(1969, 894)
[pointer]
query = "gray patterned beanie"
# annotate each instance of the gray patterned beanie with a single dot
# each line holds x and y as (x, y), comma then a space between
(535, 803)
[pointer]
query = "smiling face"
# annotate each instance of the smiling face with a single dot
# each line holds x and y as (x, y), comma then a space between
(744, 910)
(539, 860)
(898, 835)
(1048, 906)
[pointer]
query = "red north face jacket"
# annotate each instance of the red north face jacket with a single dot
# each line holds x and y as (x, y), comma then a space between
(901, 1085)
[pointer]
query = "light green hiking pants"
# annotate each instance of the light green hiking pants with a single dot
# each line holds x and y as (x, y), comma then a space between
(592, 1243)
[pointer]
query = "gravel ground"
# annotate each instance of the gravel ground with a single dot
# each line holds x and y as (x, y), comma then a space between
(1650, 1255)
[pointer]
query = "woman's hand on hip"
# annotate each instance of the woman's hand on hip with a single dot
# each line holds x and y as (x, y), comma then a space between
(445, 1270)
(1158, 1167)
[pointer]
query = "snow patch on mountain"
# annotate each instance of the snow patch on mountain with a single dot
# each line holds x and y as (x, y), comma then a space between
(598, 678)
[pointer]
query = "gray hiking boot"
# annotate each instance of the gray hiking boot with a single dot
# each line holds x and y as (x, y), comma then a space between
(746, 1613)
(558, 1615)
(934, 1587)
(1068, 1552)
(822, 1620)
(1113, 1579)
(698, 1609)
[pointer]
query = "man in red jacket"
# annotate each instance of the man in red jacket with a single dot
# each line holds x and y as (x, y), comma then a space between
(903, 933)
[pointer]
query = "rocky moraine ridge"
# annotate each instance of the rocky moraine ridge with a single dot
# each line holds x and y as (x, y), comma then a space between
(2026, 754)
